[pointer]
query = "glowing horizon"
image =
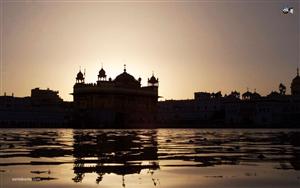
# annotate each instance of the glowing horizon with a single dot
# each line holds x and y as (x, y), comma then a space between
(190, 46)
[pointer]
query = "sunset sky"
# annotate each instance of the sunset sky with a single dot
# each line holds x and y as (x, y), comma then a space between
(189, 45)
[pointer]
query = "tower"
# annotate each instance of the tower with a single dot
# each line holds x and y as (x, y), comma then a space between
(295, 86)
(80, 77)
(153, 81)
(102, 75)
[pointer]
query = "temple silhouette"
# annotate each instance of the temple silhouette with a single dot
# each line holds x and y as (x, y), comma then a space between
(121, 102)
(124, 103)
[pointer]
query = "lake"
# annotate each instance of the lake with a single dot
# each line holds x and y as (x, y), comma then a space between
(149, 158)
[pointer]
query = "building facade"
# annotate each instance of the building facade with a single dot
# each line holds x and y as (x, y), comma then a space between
(44, 108)
(114, 102)
(234, 110)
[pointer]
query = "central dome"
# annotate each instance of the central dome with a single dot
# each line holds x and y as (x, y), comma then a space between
(126, 79)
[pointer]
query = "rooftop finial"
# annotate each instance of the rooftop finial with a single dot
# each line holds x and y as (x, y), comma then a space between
(79, 68)
(152, 73)
(124, 67)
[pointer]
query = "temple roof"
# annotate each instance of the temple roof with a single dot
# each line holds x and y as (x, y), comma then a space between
(126, 79)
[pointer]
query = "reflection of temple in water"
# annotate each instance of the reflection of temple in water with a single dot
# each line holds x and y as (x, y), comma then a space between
(112, 152)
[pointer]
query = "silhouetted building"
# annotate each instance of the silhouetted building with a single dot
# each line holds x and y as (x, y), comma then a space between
(173, 112)
(203, 109)
(44, 108)
(267, 111)
(248, 110)
(45, 97)
(122, 101)
(295, 86)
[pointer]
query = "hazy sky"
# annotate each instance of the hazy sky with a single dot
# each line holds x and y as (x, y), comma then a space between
(190, 45)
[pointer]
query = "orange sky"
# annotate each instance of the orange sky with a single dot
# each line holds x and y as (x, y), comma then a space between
(190, 45)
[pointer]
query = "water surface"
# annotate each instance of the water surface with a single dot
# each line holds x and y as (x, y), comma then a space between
(149, 158)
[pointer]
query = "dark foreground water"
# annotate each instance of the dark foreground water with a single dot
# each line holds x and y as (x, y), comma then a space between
(149, 158)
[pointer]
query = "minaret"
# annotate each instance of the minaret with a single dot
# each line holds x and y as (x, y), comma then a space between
(153, 81)
(102, 74)
(295, 86)
(80, 76)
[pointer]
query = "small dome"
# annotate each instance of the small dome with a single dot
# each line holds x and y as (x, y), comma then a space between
(256, 95)
(102, 73)
(295, 86)
(296, 80)
(274, 94)
(153, 80)
(247, 95)
(234, 95)
(79, 76)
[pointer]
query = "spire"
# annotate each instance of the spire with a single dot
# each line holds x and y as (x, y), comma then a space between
(124, 67)
(101, 63)
(297, 71)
